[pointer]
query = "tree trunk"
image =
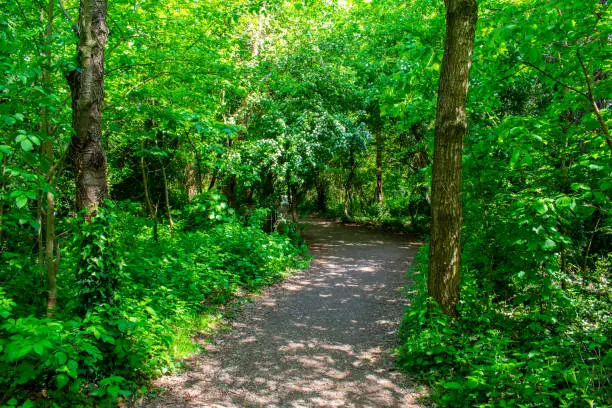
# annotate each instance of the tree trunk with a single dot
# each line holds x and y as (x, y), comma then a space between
(2, 189)
(47, 240)
(348, 185)
(378, 193)
(321, 196)
(167, 198)
(213, 179)
(451, 127)
(191, 183)
(594, 106)
(50, 262)
(145, 184)
(87, 88)
(230, 190)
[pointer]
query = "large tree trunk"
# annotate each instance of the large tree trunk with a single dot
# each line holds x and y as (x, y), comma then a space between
(451, 127)
(87, 87)
(378, 192)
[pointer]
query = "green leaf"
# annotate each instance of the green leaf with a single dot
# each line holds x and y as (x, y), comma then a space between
(62, 380)
(61, 357)
(26, 145)
(73, 367)
(452, 385)
(39, 348)
(549, 244)
(540, 207)
(18, 352)
(21, 201)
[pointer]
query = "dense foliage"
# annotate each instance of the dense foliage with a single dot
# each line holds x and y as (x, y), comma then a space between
(218, 113)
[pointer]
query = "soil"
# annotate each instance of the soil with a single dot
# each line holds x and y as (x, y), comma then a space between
(322, 338)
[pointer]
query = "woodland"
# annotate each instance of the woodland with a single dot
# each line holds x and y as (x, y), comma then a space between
(147, 146)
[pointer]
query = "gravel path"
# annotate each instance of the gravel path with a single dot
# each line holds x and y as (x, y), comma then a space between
(320, 339)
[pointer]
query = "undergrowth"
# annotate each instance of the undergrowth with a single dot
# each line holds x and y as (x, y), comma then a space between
(508, 354)
(139, 327)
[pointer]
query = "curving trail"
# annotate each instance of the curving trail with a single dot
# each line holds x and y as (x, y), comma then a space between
(320, 339)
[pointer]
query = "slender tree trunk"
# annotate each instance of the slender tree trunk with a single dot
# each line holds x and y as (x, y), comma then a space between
(145, 184)
(50, 261)
(594, 106)
(2, 189)
(293, 203)
(47, 239)
(40, 234)
(190, 181)
(378, 193)
(321, 197)
(167, 198)
(199, 172)
(213, 179)
(87, 87)
(230, 190)
(348, 186)
(451, 127)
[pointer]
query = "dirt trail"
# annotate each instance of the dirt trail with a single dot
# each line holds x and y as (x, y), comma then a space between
(320, 339)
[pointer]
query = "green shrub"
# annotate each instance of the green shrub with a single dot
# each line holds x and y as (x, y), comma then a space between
(139, 303)
(507, 355)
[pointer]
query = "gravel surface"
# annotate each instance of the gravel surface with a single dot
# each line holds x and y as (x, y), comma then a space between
(322, 338)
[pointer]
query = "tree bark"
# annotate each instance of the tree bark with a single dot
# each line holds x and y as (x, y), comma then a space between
(46, 203)
(378, 192)
(321, 196)
(451, 127)
(50, 262)
(87, 88)
(2, 189)
(145, 184)
(230, 190)
(167, 198)
(595, 107)
(348, 185)
(191, 183)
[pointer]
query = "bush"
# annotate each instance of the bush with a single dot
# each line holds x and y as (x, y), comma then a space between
(503, 355)
(145, 301)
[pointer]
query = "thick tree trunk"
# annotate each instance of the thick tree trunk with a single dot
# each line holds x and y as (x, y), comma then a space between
(378, 192)
(451, 127)
(87, 87)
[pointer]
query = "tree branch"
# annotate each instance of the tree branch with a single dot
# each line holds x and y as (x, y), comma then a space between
(591, 98)
(546, 74)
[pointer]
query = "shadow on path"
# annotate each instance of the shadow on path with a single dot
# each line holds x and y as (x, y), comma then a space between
(320, 339)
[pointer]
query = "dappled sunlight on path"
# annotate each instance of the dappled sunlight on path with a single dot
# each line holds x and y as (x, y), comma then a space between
(320, 339)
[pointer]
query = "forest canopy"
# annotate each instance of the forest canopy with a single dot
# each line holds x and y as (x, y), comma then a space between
(148, 147)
